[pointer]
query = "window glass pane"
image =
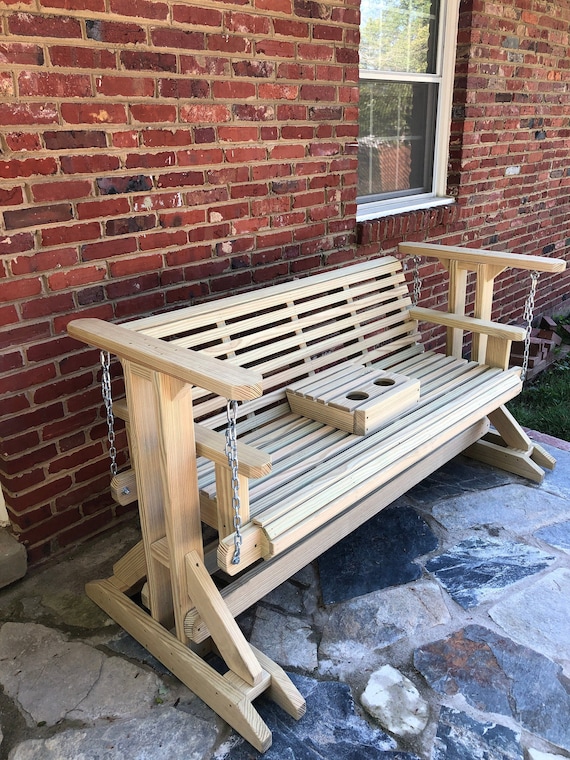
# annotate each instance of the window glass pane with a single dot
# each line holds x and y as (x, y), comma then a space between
(396, 137)
(398, 35)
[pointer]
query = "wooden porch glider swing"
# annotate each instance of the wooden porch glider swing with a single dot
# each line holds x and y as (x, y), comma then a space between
(341, 410)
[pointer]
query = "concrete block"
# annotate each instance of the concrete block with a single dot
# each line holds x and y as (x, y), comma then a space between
(13, 559)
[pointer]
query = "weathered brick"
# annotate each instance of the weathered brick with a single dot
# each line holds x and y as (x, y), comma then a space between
(201, 114)
(74, 233)
(11, 196)
(108, 248)
(135, 60)
(115, 32)
(127, 184)
(37, 215)
(94, 113)
(27, 167)
(36, 25)
(89, 163)
(74, 56)
(76, 277)
(148, 9)
(183, 88)
(104, 207)
(125, 86)
(21, 53)
(129, 225)
(53, 85)
(22, 114)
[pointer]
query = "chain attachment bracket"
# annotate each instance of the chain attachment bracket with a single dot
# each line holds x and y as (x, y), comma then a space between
(231, 453)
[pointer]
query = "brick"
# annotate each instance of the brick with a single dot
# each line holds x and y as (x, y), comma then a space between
(180, 179)
(233, 90)
(89, 163)
(27, 167)
(129, 225)
(157, 201)
(35, 25)
(11, 196)
(275, 49)
(125, 267)
(115, 32)
(108, 249)
(182, 218)
(76, 5)
(195, 16)
(245, 23)
(101, 208)
(94, 113)
(20, 114)
(172, 38)
(76, 277)
(74, 139)
(37, 215)
(127, 184)
(205, 113)
(23, 141)
(135, 60)
(159, 138)
(22, 54)
(81, 57)
(59, 191)
(124, 86)
(256, 68)
(153, 113)
(289, 28)
(53, 85)
(26, 379)
(75, 233)
(148, 9)
(159, 240)
(11, 361)
(199, 156)
(183, 88)
(238, 134)
(14, 290)
(149, 160)
(202, 65)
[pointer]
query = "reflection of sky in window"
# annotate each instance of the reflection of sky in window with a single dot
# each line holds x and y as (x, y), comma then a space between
(395, 35)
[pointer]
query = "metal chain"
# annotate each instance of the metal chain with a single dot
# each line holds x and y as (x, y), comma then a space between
(231, 453)
(528, 316)
(108, 399)
(417, 281)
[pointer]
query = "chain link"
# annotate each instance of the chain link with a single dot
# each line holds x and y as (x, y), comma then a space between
(108, 399)
(528, 316)
(231, 453)
(417, 281)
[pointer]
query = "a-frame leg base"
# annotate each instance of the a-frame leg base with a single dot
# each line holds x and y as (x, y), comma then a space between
(509, 448)
(228, 695)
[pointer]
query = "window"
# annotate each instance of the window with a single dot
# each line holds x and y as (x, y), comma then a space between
(407, 62)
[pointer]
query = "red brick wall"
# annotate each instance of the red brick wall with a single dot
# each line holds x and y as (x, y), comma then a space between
(166, 151)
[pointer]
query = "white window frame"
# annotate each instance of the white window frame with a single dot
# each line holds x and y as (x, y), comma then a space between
(444, 76)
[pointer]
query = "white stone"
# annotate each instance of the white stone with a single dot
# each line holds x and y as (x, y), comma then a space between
(395, 702)
(535, 754)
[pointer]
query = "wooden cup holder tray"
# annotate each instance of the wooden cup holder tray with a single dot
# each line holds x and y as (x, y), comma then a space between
(353, 398)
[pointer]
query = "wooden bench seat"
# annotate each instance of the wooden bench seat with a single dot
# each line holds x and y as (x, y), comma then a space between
(300, 484)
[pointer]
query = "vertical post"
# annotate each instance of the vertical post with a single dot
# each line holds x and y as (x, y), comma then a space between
(456, 304)
(163, 448)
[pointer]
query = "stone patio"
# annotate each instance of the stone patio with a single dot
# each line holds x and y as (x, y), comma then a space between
(438, 631)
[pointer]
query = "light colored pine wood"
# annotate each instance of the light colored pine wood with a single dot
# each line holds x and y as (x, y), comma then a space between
(542, 457)
(511, 432)
(130, 569)
(506, 332)
(474, 256)
(224, 698)
(456, 303)
(517, 462)
(229, 640)
(189, 367)
(124, 487)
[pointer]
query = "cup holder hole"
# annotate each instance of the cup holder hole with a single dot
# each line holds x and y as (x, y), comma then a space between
(384, 382)
(357, 396)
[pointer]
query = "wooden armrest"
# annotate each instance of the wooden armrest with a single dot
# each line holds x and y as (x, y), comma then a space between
(215, 375)
(495, 329)
(252, 463)
(476, 256)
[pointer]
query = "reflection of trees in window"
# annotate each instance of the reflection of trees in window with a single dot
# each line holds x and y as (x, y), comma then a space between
(395, 35)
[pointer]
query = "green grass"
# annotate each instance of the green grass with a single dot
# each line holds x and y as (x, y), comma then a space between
(544, 404)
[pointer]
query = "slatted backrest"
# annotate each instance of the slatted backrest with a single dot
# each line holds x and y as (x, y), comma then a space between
(291, 330)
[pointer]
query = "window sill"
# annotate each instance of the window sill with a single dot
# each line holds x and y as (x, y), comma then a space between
(367, 211)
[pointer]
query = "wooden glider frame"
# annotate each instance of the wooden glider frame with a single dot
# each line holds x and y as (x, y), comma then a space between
(175, 391)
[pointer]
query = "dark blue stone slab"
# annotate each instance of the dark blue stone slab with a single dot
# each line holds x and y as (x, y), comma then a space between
(495, 674)
(556, 535)
(379, 554)
(457, 477)
(330, 729)
(478, 568)
(460, 737)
